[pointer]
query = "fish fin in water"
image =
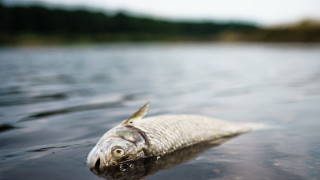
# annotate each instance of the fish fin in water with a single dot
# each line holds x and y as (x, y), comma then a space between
(137, 115)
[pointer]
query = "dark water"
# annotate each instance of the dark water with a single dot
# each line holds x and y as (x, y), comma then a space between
(55, 103)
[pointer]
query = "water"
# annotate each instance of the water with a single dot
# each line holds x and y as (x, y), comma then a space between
(55, 103)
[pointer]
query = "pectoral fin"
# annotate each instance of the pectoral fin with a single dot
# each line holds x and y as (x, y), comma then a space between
(137, 115)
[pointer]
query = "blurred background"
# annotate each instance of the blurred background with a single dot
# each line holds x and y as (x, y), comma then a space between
(72, 69)
(78, 21)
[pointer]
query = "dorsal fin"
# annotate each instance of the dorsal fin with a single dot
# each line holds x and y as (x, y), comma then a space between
(137, 115)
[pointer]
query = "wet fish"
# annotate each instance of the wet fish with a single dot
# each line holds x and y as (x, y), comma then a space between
(141, 168)
(138, 137)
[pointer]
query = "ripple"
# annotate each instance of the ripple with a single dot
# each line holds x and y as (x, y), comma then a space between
(6, 155)
(48, 148)
(66, 110)
(6, 127)
(35, 99)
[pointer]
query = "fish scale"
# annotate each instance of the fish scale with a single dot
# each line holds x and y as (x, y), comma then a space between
(167, 133)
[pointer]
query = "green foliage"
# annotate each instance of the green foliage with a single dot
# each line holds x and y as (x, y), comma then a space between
(37, 24)
(37, 19)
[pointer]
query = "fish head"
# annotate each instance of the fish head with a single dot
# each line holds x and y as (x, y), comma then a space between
(121, 146)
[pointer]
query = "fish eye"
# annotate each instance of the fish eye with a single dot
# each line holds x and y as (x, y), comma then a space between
(119, 152)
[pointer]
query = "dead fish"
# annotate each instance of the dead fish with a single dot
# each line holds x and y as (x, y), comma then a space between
(138, 137)
(141, 168)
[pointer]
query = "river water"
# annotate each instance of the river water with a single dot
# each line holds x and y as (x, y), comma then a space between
(56, 102)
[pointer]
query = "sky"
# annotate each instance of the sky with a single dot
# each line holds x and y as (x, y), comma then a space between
(264, 12)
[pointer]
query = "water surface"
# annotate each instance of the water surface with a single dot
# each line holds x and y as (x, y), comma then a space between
(55, 103)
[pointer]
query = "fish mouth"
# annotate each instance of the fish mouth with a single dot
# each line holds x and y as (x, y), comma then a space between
(95, 163)
(100, 162)
(95, 159)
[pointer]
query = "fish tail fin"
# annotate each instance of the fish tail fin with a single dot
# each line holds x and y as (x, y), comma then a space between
(257, 126)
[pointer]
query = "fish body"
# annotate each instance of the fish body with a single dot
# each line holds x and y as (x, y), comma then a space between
(138, 137)
(143, 167)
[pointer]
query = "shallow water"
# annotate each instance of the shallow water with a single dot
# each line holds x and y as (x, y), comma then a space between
(55, 103)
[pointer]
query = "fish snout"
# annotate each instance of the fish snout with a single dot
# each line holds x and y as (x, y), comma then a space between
(94, 161)
(100, 163)
(99, 159)
(95, 158)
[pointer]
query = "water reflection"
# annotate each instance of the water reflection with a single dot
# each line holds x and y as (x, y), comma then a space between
(144, 167)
